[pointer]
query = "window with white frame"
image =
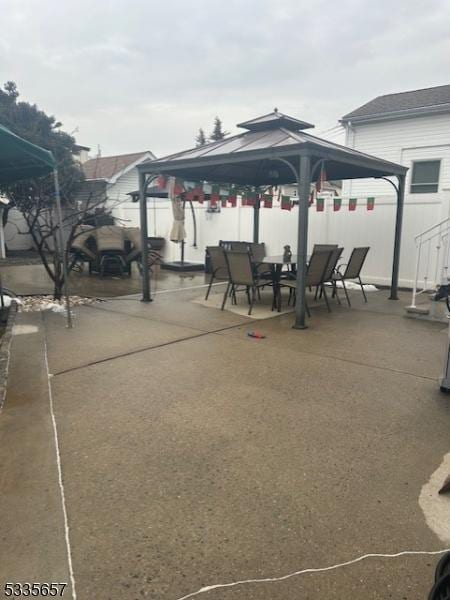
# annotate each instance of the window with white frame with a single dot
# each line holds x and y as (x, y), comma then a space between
(425, 176)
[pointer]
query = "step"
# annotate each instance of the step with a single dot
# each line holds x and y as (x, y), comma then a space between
(429, 311)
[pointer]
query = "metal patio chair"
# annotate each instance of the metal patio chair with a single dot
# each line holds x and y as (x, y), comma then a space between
(80, 251)
(219, 268)
(324, 247)
(111, 249)
(239, 246)
(315, 276)
(133, 246)
(331, 268)
(241, 273)
(258, 252)
(352, 271)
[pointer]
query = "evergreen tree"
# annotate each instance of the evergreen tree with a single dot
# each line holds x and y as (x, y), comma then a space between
(217, 133)
(200, 140)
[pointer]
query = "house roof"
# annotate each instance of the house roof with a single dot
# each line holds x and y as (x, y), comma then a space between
(434, 99)
(106, 167)
(266, 157)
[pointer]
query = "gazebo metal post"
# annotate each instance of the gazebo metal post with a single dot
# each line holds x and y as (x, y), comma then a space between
(303, 187)
(62, 248)
(256, 219)
(143, 184)
(398, 236)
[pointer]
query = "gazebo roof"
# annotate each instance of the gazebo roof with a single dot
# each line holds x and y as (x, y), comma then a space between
(252, 157)
(274, 120)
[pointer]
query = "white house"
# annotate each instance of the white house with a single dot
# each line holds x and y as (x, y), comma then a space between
(120, 176)
(413, 129)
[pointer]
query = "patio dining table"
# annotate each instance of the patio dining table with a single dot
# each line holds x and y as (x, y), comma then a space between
(276, 263)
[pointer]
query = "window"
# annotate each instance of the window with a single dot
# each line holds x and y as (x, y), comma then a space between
(425, 177)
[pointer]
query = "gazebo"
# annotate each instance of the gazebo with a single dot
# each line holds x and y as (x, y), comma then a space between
(275, 150)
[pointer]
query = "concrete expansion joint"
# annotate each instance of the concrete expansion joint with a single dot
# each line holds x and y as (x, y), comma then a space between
(348, 563)
(60, 476)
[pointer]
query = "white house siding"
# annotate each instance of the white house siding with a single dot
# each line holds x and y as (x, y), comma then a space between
(402, 141)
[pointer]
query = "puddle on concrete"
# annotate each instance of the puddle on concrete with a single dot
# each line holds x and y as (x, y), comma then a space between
(436, 508)
(23, 329)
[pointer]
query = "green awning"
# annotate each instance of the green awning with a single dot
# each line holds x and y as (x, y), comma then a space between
(20, 159)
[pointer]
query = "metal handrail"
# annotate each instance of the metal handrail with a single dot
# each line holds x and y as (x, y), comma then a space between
(423, 241)
(447, 220)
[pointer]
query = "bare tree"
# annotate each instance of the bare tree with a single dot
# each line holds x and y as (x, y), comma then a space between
(40, 215)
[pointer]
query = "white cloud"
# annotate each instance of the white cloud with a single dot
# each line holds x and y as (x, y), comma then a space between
(146, 75)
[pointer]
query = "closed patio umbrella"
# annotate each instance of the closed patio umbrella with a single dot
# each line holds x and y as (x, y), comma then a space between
(178, 232)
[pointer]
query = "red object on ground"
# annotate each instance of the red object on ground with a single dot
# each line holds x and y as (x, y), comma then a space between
(256, 334)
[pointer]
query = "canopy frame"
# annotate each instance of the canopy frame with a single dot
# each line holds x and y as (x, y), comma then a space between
(20, 159)
(300, 154)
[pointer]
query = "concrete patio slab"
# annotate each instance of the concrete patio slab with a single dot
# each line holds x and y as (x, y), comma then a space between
(33, 279)
(31, 525)
(176, 308)
(267, 466)
(100, 334)
(193, 455)
(361, 335)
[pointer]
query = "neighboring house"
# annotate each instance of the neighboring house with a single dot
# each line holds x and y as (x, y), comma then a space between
(413, 129)
(116, 176)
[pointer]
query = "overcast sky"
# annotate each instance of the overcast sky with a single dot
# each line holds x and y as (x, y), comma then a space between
(144, 75)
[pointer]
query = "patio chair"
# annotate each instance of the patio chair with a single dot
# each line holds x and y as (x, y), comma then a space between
(315, 276)
(324, 247)
(331, 268)
(111, 248)
(132, 237)
(81, 249)
(241, 273)
(239, 246)
(352, 271)
(219, 269)
(258, 252)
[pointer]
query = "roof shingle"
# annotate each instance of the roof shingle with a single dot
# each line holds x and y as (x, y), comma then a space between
(105, 167)
(402, 102)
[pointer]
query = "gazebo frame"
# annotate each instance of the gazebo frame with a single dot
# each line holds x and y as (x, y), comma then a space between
(284, 155)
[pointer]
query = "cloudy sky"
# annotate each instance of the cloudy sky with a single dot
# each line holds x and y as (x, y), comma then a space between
(139, 74)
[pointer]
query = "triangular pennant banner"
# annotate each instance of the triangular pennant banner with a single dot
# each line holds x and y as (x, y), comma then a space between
(320, 204)
(352, 203)
(286, 203)
(337, 203)
(251, 199)
(370, 203)
(268, 201)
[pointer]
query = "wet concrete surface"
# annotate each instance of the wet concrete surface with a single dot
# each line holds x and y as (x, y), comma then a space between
(202, 456)
(32, 546)
(33, 279)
